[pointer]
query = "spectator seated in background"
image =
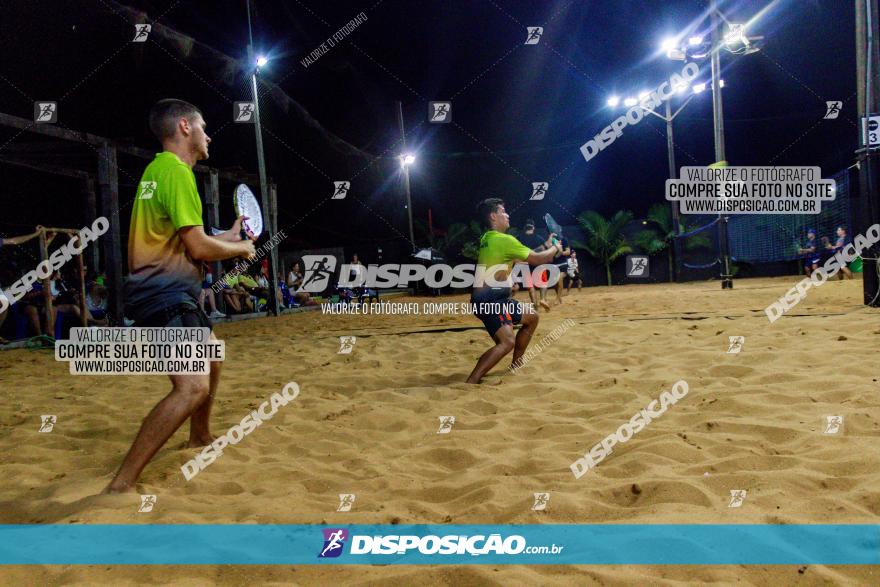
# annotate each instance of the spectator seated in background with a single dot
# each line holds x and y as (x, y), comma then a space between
(235, 295)
(294, 283)
(208, 293)
(33, 306)
(358, 275)
(96, 305)
(366, 292)
(263, 282)
(345, 294)
(253, 289)
(65, 298)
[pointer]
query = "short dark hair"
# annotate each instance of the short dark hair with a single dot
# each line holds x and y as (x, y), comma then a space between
(488, 207)
(842, 227)
(164, 116)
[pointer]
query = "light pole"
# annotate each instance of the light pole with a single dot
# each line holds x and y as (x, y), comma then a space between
(735, 41)
(670, 148)
(718, 125)
(405, 161)
(676, 221)
(261, 163)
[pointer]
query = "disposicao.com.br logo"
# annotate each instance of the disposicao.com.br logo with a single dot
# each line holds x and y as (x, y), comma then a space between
(451, 544)
(320, 269)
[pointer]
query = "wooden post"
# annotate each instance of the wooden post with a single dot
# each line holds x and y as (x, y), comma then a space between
(212, 211)
(47, 286)
(83, 308)
(108, 180)
(91, 214)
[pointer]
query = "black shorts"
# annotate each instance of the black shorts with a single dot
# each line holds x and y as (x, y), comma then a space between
(183, 315)
(496, 308)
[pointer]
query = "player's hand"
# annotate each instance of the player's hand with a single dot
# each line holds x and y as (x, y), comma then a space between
(248, 251)
(238, 224)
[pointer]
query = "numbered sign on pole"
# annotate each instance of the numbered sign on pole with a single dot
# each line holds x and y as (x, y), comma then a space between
(871, 131)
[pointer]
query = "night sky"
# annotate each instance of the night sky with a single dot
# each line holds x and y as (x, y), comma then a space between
(520, 112)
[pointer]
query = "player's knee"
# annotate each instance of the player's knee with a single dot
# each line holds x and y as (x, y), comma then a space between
(506, 344)
(196, 389)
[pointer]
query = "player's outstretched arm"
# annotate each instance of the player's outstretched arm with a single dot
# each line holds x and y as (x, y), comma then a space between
(201, 247)
(539, 258)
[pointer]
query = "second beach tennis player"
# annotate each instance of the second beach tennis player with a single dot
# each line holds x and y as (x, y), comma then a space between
(498, 248)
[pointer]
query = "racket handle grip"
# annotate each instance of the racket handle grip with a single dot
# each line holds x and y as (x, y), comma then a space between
(244, 235)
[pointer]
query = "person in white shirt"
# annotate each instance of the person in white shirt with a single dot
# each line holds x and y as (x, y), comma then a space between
(573, 272)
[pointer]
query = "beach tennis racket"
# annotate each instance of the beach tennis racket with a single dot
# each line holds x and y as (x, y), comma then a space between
(552, 225)
(246, 205)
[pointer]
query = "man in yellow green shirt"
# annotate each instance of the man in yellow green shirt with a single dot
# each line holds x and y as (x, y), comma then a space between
(166, 246)
(492, 300)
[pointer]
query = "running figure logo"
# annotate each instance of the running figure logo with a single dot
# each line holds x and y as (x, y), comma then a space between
(47, 423)
(736, 344)
(346, 344)
(46, 112)
(636, 266)
(439, 112)
(340, 189)
(148, 189)
(141, 32)
(346, 500)
(833, 425)
(541, 500)
(737, 496)
(243, 112)
(832, 109)
(318, 271)
(533, 34)
(334, 541)
(147, 503)
(446, 423)
(539, 190)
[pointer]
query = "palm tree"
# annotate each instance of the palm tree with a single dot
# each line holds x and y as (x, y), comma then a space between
(460, 239)
(660, 236)
(468, 235)
(605, 240)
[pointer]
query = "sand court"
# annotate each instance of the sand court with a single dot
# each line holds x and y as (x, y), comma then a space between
(366, 423)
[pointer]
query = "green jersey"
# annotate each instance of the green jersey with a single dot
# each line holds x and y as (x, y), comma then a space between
(161, 274)
(498, 248)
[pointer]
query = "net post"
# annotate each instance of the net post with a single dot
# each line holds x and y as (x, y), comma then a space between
(273, 252)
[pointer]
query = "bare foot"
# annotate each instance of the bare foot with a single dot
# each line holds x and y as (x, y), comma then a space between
(200, 441)
(545, 305)
(116, 487)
